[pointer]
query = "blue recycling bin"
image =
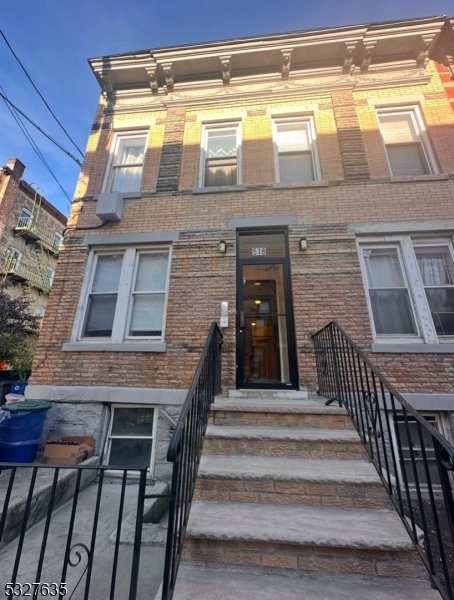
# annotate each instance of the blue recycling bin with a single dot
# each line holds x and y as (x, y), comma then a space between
(18, 387)
(21, 426)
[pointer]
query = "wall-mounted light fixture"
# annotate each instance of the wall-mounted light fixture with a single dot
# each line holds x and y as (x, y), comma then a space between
(222, 247)
(303, 244)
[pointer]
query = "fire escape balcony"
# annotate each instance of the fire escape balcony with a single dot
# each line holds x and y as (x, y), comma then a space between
(17, 270)
(32, 232)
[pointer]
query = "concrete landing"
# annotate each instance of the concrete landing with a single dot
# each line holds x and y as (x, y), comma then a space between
(288, 469)
(299, 525)
(276, 394)
(208, 584)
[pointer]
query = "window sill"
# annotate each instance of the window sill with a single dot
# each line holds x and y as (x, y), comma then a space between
(109, 347)
(406, 178)
(219, 189)
(413, 348)
(301, 184)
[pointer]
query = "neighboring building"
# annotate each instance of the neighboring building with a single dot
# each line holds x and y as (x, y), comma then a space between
(444, 56)
(299, 177)
(31, 233)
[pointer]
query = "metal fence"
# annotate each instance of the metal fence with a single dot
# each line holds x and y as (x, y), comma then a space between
(67, 549)
(414, 460)
(185, 450)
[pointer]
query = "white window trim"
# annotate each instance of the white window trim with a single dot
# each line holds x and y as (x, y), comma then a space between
(28, 215)
(50, 275)
(313, 144)
(412, 277)
(441, 426)
(118, 337)
(12, 250)
(119, 135)
(419, 129)
(153, 436)
(219, 126)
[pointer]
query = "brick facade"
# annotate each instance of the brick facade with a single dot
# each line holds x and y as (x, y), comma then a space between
(355, 188)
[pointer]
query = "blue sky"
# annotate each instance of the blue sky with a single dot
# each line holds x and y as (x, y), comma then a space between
(54, 38)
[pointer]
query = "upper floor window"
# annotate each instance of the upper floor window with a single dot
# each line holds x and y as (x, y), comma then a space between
(50, 274)
(24, 218)
(126, 295)
(126, 163)
(13, 258)
(294, 150)
(407, 146)
(220, 155)
(57, 240)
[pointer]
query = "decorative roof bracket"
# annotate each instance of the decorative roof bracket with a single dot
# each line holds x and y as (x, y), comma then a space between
(225, 69)
(366, 54)
(153, 75)
(106, 85)
(422, 57)
(347, 61)
(168, 74)
(286, 61)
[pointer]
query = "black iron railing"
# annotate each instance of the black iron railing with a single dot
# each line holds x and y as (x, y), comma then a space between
(414, 460)
(185, 450)
(67, 551)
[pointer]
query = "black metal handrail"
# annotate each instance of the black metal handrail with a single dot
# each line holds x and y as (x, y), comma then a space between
(413, 459)
(185, 450)
(32, 493)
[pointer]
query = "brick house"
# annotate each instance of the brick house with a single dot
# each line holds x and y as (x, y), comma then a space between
(31, 232)
(276, 182)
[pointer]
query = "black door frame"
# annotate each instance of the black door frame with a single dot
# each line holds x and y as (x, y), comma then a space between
(290, 322)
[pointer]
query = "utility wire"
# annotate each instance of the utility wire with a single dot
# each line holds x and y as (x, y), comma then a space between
(40, 95)
(41, 130)
(34, 145)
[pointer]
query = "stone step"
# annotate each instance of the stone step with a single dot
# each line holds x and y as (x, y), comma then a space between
(280, 480)
(195, 583)
(278, 413)
(302, 538)
(284, 441)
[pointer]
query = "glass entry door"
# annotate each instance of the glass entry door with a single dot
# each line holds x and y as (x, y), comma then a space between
(265, 339)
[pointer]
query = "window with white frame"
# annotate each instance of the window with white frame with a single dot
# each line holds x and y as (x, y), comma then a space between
(25, 218)
(220, 155)
(13, 257)
(57, 241)
(406, 142)
(126, 163)
(50, 274)
(294, 150)
(399, 309)
(132, 432)
(126, 292)
(412, 443)
(436, 267)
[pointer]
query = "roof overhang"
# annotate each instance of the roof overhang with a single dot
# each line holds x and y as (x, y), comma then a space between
(343, 50)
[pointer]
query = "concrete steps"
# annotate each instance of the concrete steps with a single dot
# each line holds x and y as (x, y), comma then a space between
(281, 480)
(285, 486)
(195, 583)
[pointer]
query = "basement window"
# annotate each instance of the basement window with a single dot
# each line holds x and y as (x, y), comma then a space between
(131, 436)
(410, 440)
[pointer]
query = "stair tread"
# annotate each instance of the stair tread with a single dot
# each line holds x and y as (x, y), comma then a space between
(302, 525)
(276, 406)
(200, 583)
(284, 469)
(246, 432)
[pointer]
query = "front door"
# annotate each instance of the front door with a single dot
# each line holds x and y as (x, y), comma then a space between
(265, 333)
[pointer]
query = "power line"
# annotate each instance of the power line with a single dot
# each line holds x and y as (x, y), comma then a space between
(34, 145)
(41, 130)
(40, 95)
